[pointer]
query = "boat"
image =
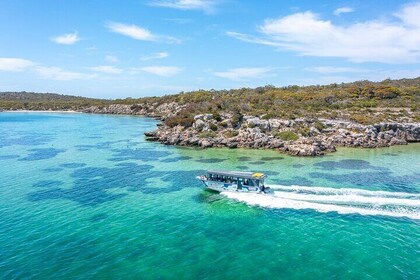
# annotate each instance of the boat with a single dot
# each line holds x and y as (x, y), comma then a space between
(235, 181)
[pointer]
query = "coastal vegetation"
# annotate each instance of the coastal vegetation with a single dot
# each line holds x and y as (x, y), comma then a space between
(287, 135)
(364, 102)
(46, 101)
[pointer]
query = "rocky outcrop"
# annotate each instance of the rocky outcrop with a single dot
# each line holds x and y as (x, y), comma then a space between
(300, 137)
(308, 147)
(154, 110)
(378, 135)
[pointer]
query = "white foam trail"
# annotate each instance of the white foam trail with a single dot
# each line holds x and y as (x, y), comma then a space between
(343, 191)
(349, 199)
(342, 201)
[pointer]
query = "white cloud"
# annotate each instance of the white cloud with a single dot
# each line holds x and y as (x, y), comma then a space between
(163, 71)
(204, 5)
(111, 59)
(343, 10)
(107, 69)
(383, 41)
(253, 39)
(179, 20)
(14, 64)
(335, 70)
(239, 74)
(157, 55)
(56, 73)
(138, 33)
(132, 31)
(66, 39)
(409, 14)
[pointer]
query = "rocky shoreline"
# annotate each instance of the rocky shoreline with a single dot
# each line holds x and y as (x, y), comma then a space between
(299, 137)
(267, 134)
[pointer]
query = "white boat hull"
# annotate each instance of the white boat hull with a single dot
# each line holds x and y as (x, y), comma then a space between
(222, 187)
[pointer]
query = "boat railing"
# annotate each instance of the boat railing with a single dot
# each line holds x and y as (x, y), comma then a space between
(202, 178)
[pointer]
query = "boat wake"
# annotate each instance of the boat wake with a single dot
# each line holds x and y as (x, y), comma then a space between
(342, 201)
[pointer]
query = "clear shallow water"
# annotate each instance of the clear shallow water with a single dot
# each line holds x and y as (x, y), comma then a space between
(84, 196)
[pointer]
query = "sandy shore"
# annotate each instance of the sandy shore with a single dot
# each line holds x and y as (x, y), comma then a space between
(35, 111)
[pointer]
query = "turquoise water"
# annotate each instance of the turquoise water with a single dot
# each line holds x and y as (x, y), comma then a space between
(86, 197)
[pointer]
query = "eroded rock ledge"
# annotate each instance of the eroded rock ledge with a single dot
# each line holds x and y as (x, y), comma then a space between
(300, 137)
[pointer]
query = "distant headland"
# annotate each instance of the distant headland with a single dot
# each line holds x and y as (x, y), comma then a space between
(302, 121)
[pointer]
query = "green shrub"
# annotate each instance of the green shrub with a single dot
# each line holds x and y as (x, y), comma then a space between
(217, 117)
(367, 103)
(231, 133)
(213, 127)
(136, 107)
(361, 119)
(237, 119)
(386, 92)
(305, 131)
(224, 124)
(268, 116)
(287, 135)
(183, 118)
(319, 125)
(207, 134)
(251, 125)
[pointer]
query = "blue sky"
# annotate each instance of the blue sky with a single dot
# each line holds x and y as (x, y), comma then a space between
(116, 49)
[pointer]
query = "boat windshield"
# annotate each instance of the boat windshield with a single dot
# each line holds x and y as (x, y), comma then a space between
(246, 179)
